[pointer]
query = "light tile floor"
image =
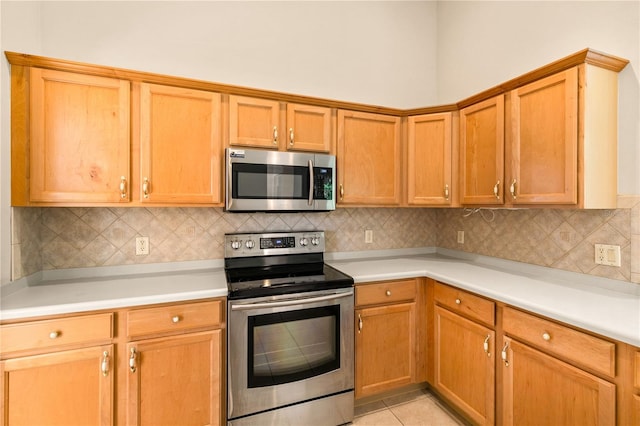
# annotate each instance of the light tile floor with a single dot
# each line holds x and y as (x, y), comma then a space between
(416, 408)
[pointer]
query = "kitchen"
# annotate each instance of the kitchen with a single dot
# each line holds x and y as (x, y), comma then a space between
(67, 238)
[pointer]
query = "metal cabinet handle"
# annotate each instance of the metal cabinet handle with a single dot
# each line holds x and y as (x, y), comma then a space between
(359, 323)
(291, 136)
(458, 301)
(512, 189)
(275, 135)
(546, 336)
(104, 365)
(132, 360)
(504, 354)
(123, 187)
(54, 335)
(341, 192)
(388, 292)
(446, 192)
(496, 190)
(145, 187)
(485, 345)
(175, 319)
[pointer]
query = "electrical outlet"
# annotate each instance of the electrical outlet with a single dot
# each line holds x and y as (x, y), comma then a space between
(368, 236)
(142, 246)
(607, 255)
(460, 237)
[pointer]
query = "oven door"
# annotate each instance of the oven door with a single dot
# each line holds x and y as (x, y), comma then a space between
(289, 349)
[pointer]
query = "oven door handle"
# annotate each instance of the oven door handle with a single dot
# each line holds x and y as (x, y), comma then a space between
(290, 302)
(311, 183)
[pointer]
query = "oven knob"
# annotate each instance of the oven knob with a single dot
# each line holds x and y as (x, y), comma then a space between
(236, 244)
(315, 241)
(250, 244)
(303, 242)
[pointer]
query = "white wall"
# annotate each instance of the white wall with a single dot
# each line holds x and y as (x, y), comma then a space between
(484, 43)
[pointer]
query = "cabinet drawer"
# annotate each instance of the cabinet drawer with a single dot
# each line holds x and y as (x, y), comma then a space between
(56, 332)
(166, 319)
(385, 292)
(589, 351)
(465, 303)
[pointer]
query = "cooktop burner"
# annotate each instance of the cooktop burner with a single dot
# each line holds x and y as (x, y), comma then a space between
(278, 263)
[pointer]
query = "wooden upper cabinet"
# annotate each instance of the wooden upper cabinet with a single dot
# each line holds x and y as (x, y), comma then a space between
(482, 152)
(180, 145)
(544, 141)
(254, 122)
(79, 138)
(309, 128)
(368, 155)
(430, 179)
(264, 123)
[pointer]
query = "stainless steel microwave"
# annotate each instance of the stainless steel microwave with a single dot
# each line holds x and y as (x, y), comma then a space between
(261, 180)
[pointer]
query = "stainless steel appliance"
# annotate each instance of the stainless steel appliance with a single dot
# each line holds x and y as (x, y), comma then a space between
(261, 180)
(290, 332)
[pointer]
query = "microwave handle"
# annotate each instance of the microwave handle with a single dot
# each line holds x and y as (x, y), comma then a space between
(311, 183)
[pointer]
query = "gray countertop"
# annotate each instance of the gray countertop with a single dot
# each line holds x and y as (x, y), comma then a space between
(608, 307)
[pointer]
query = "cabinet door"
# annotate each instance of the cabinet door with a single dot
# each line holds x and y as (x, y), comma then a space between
(175, 380)
(482, 152)
(464, 364)
(539, 389)
(180, 145)
(62, 388)
(254, 122)
(368, 158)
(79, 147)
(309, 128)
(429, 159)
(544, 141)
(385, 348)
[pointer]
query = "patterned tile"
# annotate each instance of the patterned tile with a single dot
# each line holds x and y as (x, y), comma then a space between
(51, 238)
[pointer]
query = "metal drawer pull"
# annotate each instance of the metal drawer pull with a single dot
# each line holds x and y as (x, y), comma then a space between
(546, 336)
(288, 302)
(388, 292)
(458, 301)
(291, 136)
(275, 135)
(504, 354)
(341, 192)
(123, 187)
(359, 323)
(486, 345)
(132, 360)
(513, 189)
(175, 319)
(145, 188)
(446, 192)
(496, 189)
(104, 366)
(54, 335)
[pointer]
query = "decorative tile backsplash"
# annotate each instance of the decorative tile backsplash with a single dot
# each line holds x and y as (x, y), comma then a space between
(57, 238)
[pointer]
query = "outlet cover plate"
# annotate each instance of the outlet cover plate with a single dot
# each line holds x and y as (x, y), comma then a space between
(607, 255)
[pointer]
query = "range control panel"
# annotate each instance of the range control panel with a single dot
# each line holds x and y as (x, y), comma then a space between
(245, 245)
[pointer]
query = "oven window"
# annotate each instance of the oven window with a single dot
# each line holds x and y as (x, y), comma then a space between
(286, 347)
(260, 181)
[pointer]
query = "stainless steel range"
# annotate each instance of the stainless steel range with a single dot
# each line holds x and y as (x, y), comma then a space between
(290, 332)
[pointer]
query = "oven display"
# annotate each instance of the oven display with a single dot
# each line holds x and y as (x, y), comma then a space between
(277, 242)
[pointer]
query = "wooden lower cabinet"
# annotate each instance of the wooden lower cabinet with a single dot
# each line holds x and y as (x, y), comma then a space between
(464, 370)
(385, 352)
(539, 389)
(72, 387)
(175, 380)
(386, 336)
